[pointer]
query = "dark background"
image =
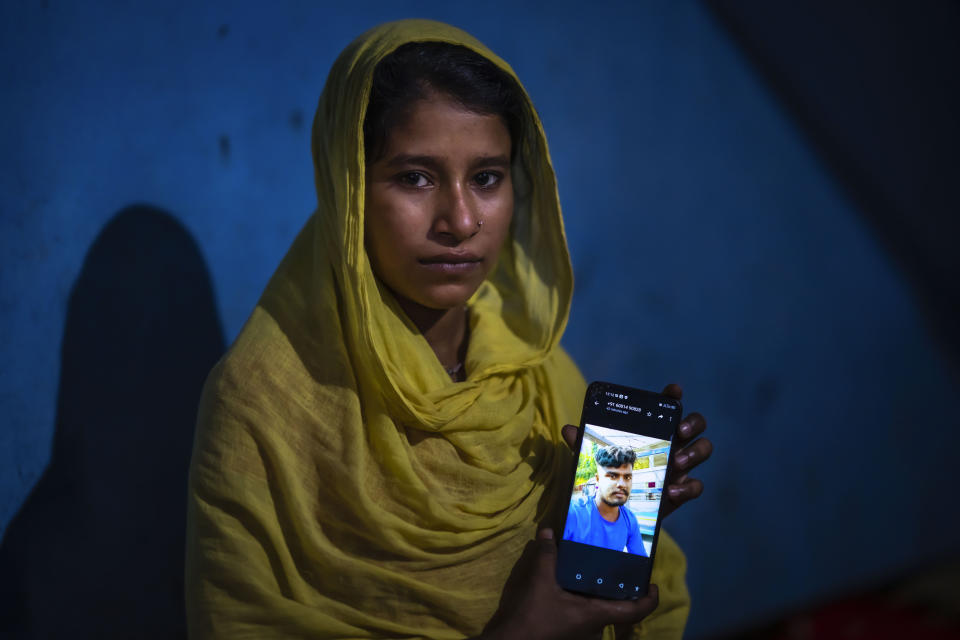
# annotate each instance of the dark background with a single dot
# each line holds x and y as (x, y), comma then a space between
(761, 204)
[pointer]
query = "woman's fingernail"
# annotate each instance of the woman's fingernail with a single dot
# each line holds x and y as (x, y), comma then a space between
(685, 429)
(682, 459)
(674, 491)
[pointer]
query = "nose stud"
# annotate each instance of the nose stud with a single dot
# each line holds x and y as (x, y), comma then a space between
(479, 223)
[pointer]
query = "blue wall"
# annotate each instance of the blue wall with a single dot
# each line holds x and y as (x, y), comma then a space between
(710, 247)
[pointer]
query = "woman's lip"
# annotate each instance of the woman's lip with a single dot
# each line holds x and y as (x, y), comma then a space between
(452, 263)
(451, 258)
(451, 267)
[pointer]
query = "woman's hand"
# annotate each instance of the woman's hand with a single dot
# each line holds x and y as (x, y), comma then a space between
(538, 609)
(689, 451)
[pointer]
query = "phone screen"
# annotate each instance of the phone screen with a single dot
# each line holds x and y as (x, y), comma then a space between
(613, 518)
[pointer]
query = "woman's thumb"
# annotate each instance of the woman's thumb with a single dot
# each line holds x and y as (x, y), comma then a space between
(546, 551)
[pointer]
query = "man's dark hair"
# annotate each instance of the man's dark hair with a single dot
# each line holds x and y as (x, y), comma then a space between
(615, 456)
(415, 69)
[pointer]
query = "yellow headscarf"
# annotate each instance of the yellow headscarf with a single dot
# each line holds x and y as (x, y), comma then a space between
(341, 485)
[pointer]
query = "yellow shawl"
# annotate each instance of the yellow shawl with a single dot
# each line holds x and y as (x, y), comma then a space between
(341, 485)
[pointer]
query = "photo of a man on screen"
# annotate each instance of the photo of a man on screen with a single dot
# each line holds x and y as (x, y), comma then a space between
(604, 520)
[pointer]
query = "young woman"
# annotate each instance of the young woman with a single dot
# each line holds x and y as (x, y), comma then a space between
(383, 440)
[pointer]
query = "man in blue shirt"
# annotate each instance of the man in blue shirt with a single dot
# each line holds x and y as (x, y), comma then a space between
(604, 520)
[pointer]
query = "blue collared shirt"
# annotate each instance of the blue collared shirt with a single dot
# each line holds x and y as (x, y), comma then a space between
(586, 525)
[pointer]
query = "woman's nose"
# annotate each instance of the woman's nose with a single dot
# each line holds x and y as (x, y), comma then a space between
(456, 216)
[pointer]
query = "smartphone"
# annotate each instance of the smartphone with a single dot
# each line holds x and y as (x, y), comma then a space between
(612, 521)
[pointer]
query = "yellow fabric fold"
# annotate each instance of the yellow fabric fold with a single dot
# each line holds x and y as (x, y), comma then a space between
(341, 485)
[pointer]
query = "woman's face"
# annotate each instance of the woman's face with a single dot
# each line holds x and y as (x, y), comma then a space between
(439, 202)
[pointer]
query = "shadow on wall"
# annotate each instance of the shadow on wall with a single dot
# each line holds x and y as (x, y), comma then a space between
(97, 549)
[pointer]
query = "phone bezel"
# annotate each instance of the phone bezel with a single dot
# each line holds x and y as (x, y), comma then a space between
(589, 587)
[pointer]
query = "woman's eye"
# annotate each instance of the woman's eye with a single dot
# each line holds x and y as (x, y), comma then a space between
(486, 179)
(414, 179)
